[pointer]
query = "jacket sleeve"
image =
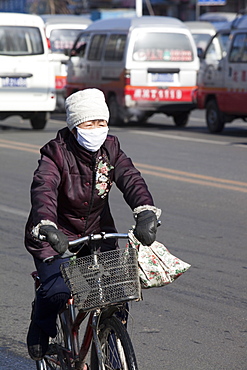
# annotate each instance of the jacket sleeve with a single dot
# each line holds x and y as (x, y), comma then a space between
(44, 191)
(129, 180)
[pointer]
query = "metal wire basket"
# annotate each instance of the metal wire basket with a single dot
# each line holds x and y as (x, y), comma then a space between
(103, 279)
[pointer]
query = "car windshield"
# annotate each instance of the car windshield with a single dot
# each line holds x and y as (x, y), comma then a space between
(61, 39)
(18, 40)
(166, 47)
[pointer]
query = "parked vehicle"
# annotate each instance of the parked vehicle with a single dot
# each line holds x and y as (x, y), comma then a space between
(223, 76)
(61, 33)
(202, 33)
(27, 86)
(144, 65)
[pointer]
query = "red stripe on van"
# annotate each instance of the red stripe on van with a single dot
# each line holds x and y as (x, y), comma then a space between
(139, 93)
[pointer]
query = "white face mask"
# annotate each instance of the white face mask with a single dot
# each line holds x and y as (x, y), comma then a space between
(92, 139)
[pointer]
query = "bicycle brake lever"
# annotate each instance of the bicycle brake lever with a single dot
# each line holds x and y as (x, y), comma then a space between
(67, 254)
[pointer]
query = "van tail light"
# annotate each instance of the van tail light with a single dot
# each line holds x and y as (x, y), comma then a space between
(128, 90)
(60, 82)
(48, 43)
(127, 77)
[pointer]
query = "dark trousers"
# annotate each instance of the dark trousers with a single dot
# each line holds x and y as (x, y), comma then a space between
(51, 296)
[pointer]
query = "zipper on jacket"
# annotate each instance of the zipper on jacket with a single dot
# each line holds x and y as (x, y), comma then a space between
(93, 190)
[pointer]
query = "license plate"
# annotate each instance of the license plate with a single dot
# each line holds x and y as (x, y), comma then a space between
(14, 82)
(162, 77)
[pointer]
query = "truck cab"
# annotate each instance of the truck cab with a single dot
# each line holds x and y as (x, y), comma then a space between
(223, 75)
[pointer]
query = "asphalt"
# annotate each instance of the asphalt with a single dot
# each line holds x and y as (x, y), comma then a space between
(10, 361)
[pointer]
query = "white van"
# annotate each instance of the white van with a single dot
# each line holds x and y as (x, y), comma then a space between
(61, 32)
(27, 86)
(202, 33)
(222, 77)
(144, 65)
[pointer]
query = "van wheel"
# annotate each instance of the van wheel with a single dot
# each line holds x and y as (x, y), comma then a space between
(38, 120)
(144, 116)
(181, 119)
(115, 118)
(214, 117)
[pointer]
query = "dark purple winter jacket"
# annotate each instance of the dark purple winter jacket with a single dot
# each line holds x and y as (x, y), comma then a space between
(71, 185)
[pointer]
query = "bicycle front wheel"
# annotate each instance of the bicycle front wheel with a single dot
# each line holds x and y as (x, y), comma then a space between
(116, 347)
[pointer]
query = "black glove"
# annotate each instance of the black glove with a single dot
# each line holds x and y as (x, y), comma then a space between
(146, 227)
(56, 238)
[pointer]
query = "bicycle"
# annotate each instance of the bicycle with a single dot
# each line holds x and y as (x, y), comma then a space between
(101, 284)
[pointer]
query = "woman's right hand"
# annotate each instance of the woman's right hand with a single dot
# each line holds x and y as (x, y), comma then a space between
(56, 238)
(146, 227)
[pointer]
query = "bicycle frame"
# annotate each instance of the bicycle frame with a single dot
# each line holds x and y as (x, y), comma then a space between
(71, 324)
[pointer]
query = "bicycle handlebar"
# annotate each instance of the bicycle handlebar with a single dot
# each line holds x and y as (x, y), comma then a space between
(83, 240)
(94, 237)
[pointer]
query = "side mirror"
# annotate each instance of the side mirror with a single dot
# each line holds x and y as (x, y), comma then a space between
(200, 52)
(67, 52)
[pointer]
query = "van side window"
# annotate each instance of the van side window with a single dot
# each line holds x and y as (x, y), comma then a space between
(18, 40)
(244, 55)
(216, 49)
(238, 52)
(80, 46)
(96, 47)
(115, 48)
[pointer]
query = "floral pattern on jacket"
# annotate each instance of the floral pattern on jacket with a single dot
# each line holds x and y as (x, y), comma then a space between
(103, 182)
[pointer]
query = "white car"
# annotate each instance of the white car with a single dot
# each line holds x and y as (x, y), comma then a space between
(61, 32)
(27, 84)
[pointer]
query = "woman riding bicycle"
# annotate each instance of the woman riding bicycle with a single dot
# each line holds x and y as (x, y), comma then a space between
(69, 197)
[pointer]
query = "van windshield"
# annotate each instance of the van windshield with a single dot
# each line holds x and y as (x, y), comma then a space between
(201, 39)
(18, 40)
(166, 47)
(61, 39)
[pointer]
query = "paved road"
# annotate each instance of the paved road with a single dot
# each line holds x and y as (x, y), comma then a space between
(9, 361)
(200, 182)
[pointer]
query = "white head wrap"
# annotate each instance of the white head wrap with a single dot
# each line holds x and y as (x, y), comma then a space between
(86, 105)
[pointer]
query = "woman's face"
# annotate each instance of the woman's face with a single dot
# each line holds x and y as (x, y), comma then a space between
(89, 125)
